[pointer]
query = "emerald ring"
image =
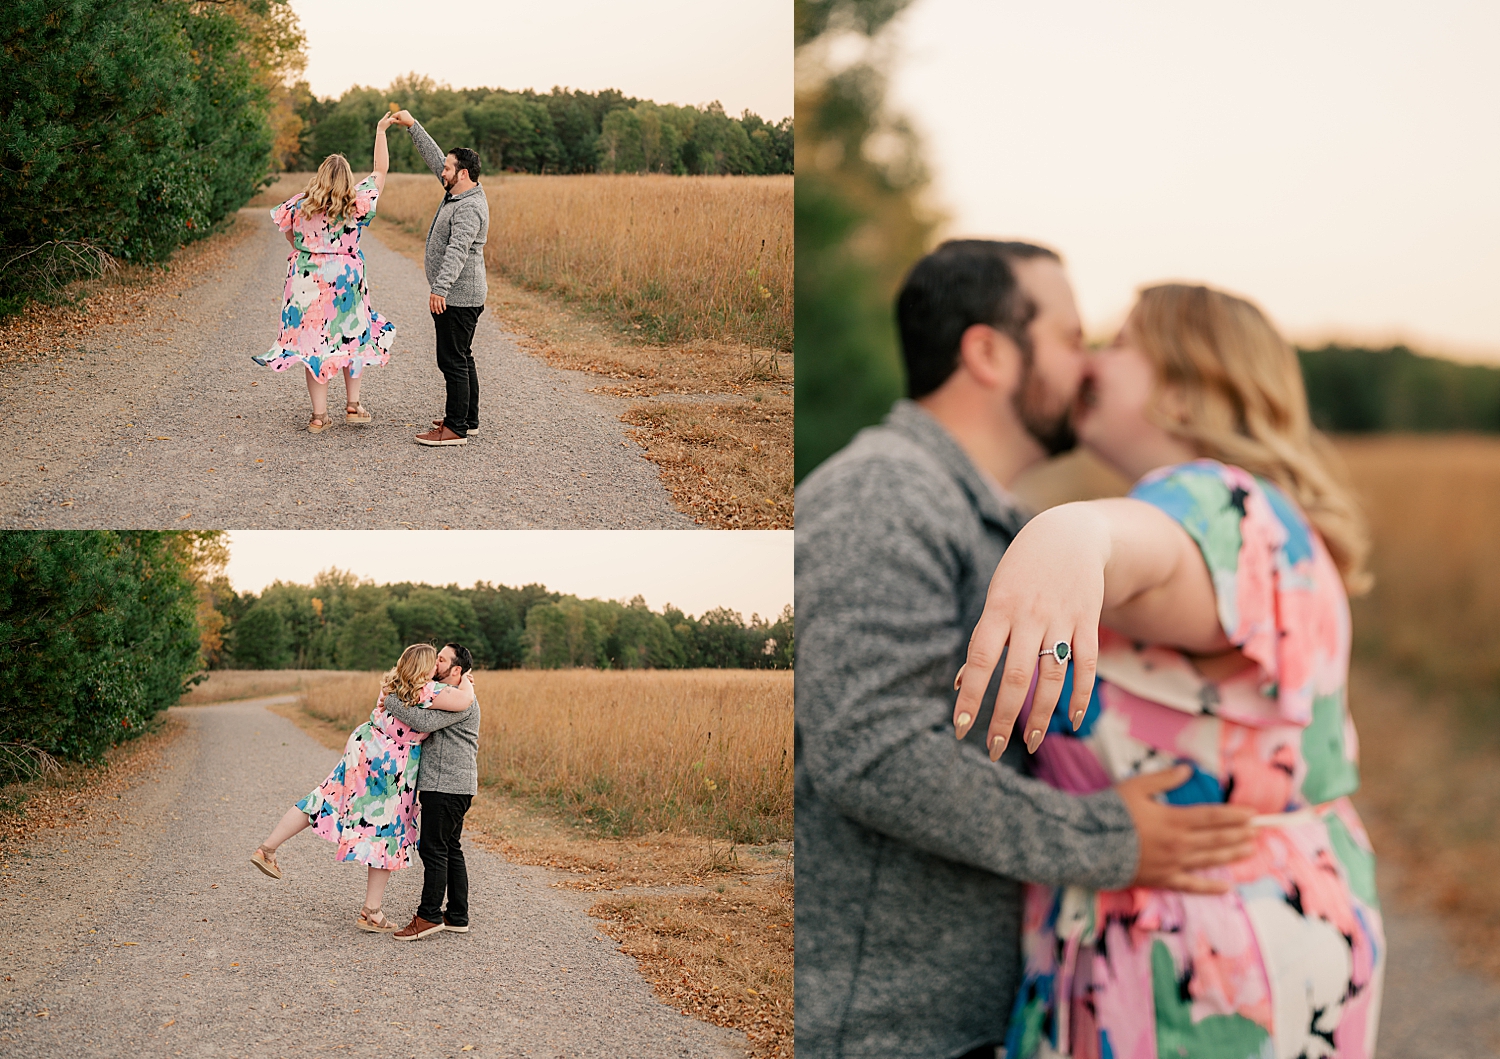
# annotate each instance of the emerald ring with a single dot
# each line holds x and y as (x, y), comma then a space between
(1060, 651)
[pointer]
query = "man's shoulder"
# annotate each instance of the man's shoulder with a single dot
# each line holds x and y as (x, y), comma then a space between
(884, 467)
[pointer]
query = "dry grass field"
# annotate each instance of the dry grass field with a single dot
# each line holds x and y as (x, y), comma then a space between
(641, 780)
(677, 258)
(1425, 685)
(626, 753)
(232, 685)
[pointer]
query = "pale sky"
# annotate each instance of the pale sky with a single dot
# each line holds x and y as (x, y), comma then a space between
(746, 570)
(690, 52)
(1336, 161)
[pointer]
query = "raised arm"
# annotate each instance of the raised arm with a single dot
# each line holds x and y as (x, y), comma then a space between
(431, 153)
(382, 151)
(1120, 562)
(421, 720)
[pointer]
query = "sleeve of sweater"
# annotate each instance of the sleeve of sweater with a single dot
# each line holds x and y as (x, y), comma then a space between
(418, 719)
(462, 232)
(431, 153)
(880, 633)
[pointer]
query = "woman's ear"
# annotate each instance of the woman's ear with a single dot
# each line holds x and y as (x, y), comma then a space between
(991, 357)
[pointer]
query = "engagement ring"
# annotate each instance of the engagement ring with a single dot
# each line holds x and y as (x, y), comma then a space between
(1060, 651)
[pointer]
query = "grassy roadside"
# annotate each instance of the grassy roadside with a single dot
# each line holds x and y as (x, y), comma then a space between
(60, 328)
(63, 800)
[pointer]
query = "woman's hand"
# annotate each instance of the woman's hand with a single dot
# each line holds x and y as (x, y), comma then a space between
(1048, 589)
(1121, 560)
(384, 122)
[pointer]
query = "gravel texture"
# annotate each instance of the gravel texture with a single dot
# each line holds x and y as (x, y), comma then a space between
(150, 934)
(166, 423)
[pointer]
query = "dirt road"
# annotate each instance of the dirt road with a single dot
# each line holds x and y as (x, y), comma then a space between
(152, 935)
(165, 423)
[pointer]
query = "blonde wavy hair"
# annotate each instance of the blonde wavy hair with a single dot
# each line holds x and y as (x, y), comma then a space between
(411, 671)
(331, 190)
(1230, 386)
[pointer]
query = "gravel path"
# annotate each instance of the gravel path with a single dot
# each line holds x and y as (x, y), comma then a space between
(167, 423)
(152, 935)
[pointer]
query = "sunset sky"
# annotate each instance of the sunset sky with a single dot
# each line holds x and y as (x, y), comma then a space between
(1336, 161)
(746, 570)
(670, 51)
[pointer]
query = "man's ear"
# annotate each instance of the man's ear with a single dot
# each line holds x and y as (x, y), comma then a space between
(991, 357)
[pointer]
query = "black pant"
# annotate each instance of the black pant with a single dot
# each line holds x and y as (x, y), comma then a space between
(443, 856)
(455, 357)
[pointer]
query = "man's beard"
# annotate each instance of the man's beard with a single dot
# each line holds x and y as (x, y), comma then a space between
(1052, 430)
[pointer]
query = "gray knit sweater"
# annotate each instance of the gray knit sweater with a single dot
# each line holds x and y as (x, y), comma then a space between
(454, 260)
(911, 845)
(449, 761)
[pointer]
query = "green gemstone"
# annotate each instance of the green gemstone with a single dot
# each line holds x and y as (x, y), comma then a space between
(1061, 652)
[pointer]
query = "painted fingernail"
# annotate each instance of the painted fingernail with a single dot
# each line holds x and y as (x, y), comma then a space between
(962, 728)
(958, 679)
(1034, 740)
(1077, 720)
(997, 747)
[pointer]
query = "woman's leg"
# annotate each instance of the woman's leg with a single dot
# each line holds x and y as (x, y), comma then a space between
(375, 887)
(351, 389)
(295, 820)
(318, 391)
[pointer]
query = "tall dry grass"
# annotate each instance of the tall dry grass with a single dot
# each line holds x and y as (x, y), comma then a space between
(707, 751)
(677, 258)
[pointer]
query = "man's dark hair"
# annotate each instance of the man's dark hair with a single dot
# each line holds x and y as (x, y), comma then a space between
(462, 656)
(467, 159)
(962, 283)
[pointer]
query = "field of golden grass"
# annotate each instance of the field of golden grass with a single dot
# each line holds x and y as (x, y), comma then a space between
(1425, 683)
(703, 751)
(677, 258)
(229, 685)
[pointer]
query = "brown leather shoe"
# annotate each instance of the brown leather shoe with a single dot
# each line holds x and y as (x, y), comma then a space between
(467, 433)
(441, 436)
(417, 928)
(454, 928)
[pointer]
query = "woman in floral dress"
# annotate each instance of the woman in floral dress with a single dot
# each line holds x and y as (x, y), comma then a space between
(327, 325)
(1220, 585)
(367, 806)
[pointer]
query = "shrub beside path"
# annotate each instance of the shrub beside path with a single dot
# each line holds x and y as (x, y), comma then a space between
(155, 936)
(164, 422)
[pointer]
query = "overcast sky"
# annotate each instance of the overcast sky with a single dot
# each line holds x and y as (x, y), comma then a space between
(738, 52)
(1337, 161)
(745, 570)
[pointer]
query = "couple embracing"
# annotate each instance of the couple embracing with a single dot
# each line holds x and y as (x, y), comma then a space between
(327, 324)
(420, 745)
(1140, 844)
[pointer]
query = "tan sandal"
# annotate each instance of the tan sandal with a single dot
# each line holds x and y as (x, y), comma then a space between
(265, 860)
(319, 423)
(367, 921)
(356, 413)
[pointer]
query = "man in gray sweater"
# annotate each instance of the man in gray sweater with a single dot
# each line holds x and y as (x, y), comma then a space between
(447, 780)
(910, 845)
(454, 261)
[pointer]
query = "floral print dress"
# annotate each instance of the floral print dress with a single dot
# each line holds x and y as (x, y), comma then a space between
(326, 322)
(1290, 961)
(367, 806)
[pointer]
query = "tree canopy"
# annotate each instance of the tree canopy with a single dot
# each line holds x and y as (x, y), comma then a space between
(561, 131)
(341, 622)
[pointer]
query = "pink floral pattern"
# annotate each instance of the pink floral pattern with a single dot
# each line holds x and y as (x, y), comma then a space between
(1289, 962)
(326, 320)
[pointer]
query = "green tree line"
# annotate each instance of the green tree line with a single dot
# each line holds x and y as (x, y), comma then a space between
(341, 622)
(561, 131)
(129, 127)
(100, 630)
(1355, 390)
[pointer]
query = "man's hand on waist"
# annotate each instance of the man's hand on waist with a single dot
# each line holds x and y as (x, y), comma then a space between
(1177, 840)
